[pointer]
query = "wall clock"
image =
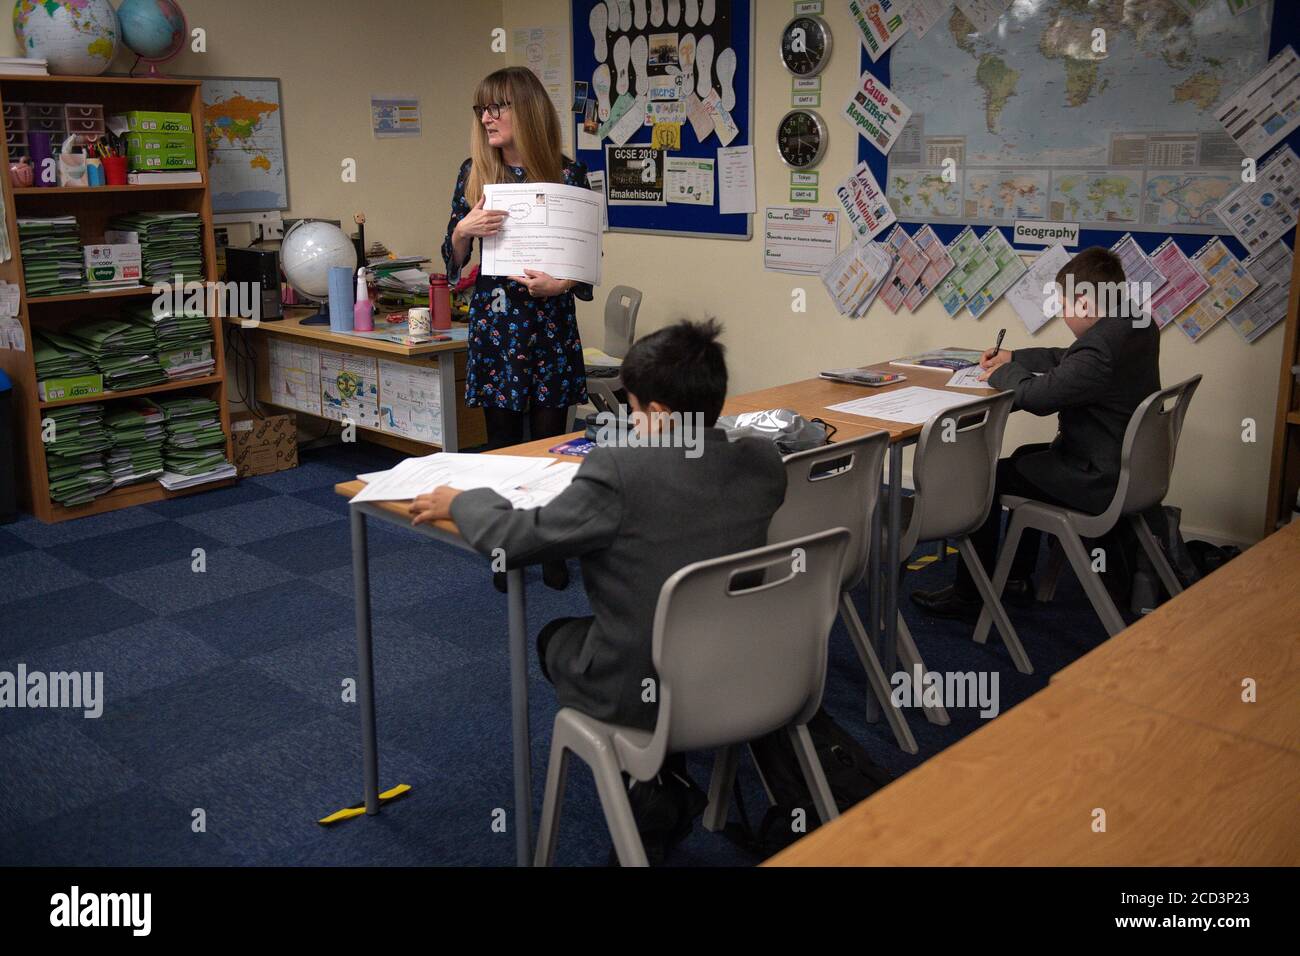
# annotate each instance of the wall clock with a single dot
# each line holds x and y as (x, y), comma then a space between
(801, 139)
(806, 45)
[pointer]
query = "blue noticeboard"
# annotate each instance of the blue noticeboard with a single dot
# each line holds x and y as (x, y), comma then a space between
(1285, 29)
(734, 22)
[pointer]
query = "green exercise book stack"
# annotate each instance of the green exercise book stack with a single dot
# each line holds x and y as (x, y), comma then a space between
(53, 260)
(125, 352)
(171, 244)
(74, 453)
(196, 442)
(138, 434)
(63, 364)
(183, 342)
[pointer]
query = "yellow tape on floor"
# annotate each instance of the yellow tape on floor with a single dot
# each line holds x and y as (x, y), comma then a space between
(359, 809)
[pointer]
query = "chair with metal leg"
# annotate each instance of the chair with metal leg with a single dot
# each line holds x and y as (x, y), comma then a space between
(953, 474)
(602, 366)
(740, 651)
(838, 485)
(1146, 466)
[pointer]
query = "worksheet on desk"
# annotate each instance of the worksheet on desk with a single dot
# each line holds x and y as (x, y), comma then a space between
(913, 405)
(548, 228)
(415, 476)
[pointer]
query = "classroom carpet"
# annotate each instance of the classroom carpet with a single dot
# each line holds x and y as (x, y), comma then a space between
(223, 625)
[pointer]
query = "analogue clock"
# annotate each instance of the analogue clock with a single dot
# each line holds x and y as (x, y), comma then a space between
(801, 139)
(806, 45)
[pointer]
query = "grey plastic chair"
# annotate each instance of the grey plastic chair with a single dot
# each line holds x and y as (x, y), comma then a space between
(736, 661)
(953, 473)
(838, 485)
(621, 308)
(1146, 466)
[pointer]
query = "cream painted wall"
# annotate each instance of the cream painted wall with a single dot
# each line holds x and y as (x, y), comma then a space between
(1219, 481)
(330, 57)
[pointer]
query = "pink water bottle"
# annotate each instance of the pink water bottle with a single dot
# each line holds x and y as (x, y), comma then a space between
(440, 302)
(363, 313)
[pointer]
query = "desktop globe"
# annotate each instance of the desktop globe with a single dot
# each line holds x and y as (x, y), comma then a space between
(77, 37)
(154, 30)
(308, 252)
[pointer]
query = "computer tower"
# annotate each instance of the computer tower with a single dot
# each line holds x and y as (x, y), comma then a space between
(261, 266)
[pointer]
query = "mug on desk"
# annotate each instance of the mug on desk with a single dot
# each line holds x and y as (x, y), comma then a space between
(419, 322)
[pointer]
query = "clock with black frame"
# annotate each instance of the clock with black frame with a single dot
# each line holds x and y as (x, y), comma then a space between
(801, 136)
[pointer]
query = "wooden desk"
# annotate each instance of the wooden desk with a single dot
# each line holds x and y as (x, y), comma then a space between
(464, 429)
(1022, 791)
(1188, 658)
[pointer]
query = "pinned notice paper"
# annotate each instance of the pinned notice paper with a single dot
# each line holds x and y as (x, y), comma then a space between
(736, 180)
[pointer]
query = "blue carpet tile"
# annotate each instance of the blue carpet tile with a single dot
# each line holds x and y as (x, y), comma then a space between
(223, 625)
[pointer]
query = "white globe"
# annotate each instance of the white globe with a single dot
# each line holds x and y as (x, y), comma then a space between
(78, 37)
(308, 253)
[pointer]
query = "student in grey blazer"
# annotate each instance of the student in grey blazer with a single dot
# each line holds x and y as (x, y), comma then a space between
(633, 516)
(1094, 386)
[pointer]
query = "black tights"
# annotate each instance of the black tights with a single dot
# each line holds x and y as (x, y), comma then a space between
(506, 427)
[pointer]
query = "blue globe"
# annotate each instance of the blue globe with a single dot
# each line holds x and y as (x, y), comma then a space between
(152, 29)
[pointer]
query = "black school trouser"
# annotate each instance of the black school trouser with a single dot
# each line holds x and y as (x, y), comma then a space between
(1009, 481)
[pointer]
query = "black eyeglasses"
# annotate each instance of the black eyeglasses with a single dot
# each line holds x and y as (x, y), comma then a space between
(492, 109)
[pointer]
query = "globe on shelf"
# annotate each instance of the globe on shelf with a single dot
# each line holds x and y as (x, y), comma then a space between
(308, 252)
(154, 30)
(77, 37)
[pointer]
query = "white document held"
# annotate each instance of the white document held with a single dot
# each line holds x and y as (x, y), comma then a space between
(549, 228)
(913, 405)
(968, 377)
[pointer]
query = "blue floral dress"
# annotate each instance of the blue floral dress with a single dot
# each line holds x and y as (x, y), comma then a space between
(530, 353)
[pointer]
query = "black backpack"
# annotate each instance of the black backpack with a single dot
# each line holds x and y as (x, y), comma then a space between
(849, 771)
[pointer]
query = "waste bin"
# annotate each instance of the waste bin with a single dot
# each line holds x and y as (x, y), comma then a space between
(8, 442)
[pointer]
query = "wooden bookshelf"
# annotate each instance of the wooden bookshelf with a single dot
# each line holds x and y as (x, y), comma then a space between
(93, 207)
(1284, 475)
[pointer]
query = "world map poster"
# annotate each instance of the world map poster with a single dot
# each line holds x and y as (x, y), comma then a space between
(1092, 111)
(243, 129)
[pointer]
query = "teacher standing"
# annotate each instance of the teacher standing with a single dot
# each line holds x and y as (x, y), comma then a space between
(525, 356)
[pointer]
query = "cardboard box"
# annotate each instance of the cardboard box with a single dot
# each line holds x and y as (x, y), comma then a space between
(153, 121)
(145, 151)
(78, 386)
(264, 445)
(113, 262)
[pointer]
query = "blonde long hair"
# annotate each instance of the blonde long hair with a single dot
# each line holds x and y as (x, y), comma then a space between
(536, 132)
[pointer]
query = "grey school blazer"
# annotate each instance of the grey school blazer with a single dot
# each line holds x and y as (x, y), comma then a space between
(634, 516)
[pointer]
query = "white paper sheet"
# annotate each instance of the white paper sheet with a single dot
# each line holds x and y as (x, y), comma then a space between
(913, 405)
(1035, 307)
(736, 180)
(800, 239)
(1265, 110)
(415, 476)
(543, 487)
(550, 228)
(689, 181)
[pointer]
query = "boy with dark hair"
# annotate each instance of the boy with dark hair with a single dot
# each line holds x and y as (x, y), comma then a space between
(636, 513)
(1095, 385)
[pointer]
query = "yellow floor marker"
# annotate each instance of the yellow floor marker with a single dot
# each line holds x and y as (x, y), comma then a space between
(921, 562)
(359, 809)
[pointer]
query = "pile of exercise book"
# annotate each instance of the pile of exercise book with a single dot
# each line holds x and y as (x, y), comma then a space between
(53, 261)
(195, 450)
(124, 351)
(136, 429)
(171, 244)
(75, 442)
(182, 342)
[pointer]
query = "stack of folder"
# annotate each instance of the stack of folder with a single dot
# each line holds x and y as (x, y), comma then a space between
(136, 429)
(74, 456)
(196, 442)
(53, 262)
(123, 351)
(183, 342)
(64, 367)
(171, 244)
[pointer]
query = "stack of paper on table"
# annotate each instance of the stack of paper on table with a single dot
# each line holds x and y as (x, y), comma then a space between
(53, 263)
(526, 482)
(913, 405)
